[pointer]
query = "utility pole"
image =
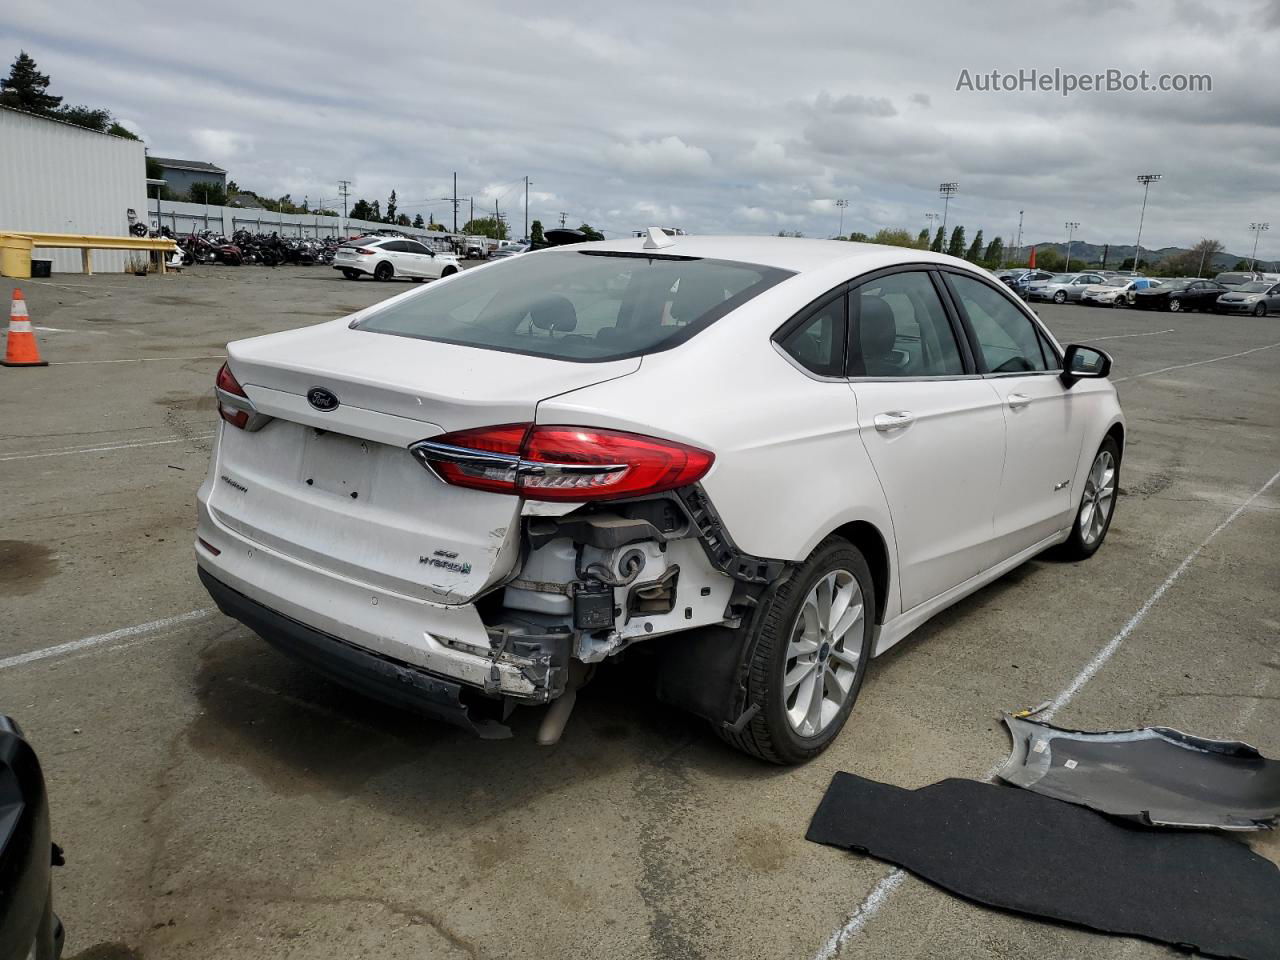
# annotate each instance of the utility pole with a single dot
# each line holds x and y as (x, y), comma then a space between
(342, 192)
(1257, 229)
(473, 210)
(946, 191)
(1071, 226)
(563, 216)
(455, 201)
(841, 204)
(526, 208)
(1019, 245)
(497, 221)
(1146, 179)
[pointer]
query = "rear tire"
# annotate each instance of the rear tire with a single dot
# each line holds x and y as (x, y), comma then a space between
(1060, 297)
(1175, 306)
(1100, 493)
(349, 274)
(786, 730)
(384, 271)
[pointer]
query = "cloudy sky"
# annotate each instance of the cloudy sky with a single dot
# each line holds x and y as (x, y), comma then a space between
(717, 117)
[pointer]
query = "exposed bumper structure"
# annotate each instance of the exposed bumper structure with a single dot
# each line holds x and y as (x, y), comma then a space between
(381, 677)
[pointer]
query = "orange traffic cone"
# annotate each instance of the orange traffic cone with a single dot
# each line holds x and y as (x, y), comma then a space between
(21, 349)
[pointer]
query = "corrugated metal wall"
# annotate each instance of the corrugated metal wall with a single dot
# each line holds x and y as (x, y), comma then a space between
(58, 178)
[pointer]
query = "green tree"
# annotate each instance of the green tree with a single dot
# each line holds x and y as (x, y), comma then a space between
(419, 222)
(938, 238)
(1197, 261)
(1051, 260)
(402, 220)
(536, 236)
(25, 87)
(893, 237)
(362, 210)
(208, 192)
(975, 248)
(87, 117)
(859, 237)
(1240, 264)
(956, 247)
(995, 252)
(440, 227)
(118, 130)
(922, 239)
(377, 211)
(485, 227)
(591, 232)
(391, 207)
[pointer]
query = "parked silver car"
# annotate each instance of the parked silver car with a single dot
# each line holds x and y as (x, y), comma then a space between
(1062, 287)
(1258, 298)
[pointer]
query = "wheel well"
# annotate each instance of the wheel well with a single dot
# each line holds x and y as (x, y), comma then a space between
(448, 271)
(869, 540)
(1117, 431)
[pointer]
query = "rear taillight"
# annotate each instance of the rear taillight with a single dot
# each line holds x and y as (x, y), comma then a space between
(562, 463)
(228, 389)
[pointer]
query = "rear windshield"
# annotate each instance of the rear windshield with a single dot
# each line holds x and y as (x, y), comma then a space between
(577, 305)
(1234, 277)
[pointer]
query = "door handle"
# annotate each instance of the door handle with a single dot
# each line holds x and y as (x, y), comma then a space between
(894, 420)
(1018, 400)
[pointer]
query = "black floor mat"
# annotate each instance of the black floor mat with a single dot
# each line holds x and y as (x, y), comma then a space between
(1031, 854)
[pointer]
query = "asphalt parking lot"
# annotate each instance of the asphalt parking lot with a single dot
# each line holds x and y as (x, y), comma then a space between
(214, 799)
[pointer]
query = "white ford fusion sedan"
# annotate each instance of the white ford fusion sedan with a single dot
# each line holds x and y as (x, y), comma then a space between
(765, 460)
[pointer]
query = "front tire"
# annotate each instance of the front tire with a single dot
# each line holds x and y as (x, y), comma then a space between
(1260, 310)
(448, 272)
(1097, 504)
(349, 274)
(809, 656)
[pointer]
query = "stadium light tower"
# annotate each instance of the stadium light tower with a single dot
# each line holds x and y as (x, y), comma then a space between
(841, 204)
(1072, 226)
(1146, 179)
(1257, 229)
(933, 218)
(946, 191)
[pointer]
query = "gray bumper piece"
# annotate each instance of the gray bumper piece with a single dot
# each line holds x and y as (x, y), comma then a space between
(1156, 775)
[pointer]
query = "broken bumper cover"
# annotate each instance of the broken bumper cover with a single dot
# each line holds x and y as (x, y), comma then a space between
(380, 677)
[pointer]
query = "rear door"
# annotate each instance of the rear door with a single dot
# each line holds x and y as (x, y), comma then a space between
(1043, 429)
(933, 428)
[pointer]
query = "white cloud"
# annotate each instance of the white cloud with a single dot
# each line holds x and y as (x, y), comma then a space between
(669, 156)
(220, 146)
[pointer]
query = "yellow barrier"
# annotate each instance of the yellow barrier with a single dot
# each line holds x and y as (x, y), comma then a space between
(16, 244)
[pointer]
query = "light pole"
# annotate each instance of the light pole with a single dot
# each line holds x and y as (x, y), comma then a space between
(841, 204)
(1018, 244)
(1146, 179)
(946, 191)
(1257, 229)
(932, 218)
(1071, 226)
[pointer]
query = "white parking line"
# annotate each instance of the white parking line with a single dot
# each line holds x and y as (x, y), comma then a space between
(101, 638)
(113, 446)
(885, 887)
(1123, 336)
(1197, 363)
(72, 363)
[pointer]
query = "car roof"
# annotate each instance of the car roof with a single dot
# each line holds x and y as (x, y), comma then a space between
(797, 254)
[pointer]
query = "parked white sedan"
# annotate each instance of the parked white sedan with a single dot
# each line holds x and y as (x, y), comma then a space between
(769, 459)
(385, 258)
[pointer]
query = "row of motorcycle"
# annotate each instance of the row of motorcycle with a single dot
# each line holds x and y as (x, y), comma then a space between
(267, 249)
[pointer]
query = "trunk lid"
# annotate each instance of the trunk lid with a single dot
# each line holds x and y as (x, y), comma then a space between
(338, 489)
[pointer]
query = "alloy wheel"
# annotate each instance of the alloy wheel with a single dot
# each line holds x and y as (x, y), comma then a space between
(823, 653)
(1099, 498)
(1175, 306)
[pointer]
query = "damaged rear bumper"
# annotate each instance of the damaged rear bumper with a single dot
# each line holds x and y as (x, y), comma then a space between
(380, 677)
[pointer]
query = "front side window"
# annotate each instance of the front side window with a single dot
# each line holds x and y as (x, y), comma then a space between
(901, 329)
(577, 305)
(1007, 339)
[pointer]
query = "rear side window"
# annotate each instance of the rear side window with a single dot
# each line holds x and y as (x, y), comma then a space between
(577, 305)
(1007, 339)
(817, 342)
(902, 330)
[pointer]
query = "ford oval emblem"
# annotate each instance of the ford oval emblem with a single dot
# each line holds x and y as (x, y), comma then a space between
(322, 399)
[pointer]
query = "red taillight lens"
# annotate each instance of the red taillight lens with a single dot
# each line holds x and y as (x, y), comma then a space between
(562, 463)
(227, 383)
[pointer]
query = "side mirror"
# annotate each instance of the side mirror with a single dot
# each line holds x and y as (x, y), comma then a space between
(1084, 363)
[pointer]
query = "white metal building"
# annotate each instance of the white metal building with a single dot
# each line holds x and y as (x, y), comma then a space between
(56, 177)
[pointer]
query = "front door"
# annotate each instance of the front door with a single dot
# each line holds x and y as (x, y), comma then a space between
(1043, 427)
(933, 429)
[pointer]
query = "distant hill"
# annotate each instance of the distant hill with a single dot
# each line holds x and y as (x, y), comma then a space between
(1092, 253)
